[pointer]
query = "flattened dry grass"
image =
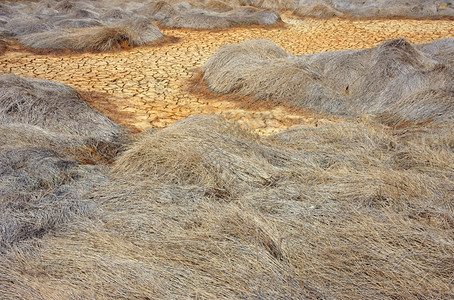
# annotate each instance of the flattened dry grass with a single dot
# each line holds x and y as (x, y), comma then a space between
(352, 210)
(50, 141)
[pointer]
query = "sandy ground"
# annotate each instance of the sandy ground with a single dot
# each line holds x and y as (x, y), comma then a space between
(150, 84)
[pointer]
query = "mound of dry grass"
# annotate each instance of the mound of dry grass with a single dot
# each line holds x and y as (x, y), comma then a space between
(188, 17)
(65, 22)
(356, 212)
(23, 25)
(116, 14)
(374, 9)
(157, 10)
(441, 50)
(126, 33)
(87, 150)
(53, 106)
(188, 153)
(273, 4)
(393, 78)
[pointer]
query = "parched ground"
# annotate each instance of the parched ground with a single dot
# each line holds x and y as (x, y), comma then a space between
(149, 86)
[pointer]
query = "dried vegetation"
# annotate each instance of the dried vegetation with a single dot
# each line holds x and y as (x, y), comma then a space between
(396, 82)
(206, 209)
(374, 9)
(50, 139)
(111, 25)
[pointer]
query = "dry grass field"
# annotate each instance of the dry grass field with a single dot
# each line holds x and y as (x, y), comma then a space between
(226, 149)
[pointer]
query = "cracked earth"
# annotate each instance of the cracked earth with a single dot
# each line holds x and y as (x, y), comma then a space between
(148, 87)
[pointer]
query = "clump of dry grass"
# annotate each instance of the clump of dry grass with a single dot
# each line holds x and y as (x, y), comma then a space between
(202, 19)
(380, 81)
(52, 105)
(373, 9)
(126, 33)
(189, 153)
(357, 211)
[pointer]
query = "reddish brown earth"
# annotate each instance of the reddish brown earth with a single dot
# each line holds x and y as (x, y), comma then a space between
(150, 86)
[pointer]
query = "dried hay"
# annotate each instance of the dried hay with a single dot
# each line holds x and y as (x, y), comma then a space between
(381, 80)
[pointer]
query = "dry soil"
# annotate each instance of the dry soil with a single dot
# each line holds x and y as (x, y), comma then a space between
(149, 86)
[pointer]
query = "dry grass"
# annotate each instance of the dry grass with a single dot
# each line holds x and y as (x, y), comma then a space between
(201, 19)
(113, 25)
(53, 106)
(40, 191)
(187, 153)
(129, 33)
(374, 9)
(346, 211)
(395, 81)
(206, 209)
(49, 139)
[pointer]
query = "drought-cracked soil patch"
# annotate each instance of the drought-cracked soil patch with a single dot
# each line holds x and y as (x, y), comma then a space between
(148, 87)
